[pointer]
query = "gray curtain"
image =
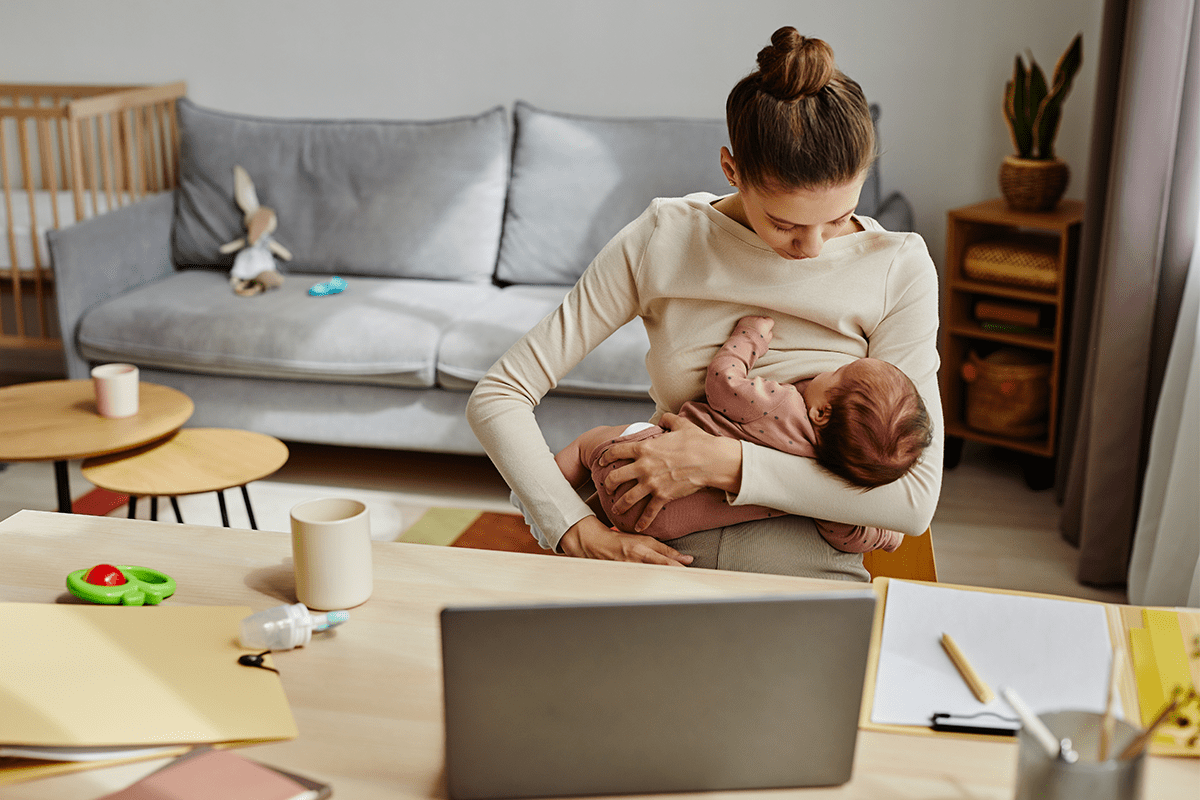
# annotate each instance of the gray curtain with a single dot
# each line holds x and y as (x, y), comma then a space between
(1137, 244)
(1164, 568)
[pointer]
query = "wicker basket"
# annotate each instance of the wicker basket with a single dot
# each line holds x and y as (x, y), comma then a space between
(1008, 393)
(1030, 184)
(1028, 264)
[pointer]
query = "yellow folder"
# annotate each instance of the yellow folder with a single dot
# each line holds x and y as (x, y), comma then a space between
(1163, 666)
(87, 676)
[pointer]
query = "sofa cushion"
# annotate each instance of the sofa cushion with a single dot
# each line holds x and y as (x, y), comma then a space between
(576, 181)
(377, 331)
(617, 368)
(399, 199)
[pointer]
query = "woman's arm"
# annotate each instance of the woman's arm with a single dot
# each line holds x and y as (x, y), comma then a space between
(500, 409)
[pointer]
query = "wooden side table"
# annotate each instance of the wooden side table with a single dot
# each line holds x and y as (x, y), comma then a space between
(966, 328)
(58, 421)
(193, 461)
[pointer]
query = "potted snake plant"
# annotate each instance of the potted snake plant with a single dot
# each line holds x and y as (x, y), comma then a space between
(1034, 179)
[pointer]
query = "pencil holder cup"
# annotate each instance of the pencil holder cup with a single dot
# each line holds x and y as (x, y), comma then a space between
(331, 553)
(1041, 776)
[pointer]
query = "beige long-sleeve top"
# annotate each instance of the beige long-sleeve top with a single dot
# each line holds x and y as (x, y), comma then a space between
(691, 273)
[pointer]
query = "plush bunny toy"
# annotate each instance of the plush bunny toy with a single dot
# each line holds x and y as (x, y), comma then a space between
(254, 267)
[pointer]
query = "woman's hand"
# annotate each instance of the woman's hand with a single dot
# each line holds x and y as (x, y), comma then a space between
(589, 538)
(676, 464)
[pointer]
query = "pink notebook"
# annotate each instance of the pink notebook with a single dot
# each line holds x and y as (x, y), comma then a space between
(220, 775)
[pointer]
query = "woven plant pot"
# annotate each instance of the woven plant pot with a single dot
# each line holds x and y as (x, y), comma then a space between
(1031, 184)
(1008, 393)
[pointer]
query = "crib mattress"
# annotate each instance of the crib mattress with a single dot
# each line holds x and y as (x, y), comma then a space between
(23, 229)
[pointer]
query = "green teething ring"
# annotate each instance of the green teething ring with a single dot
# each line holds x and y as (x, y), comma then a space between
(143, 586)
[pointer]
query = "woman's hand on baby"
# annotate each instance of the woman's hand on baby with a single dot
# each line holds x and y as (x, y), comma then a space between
(590, 538)
(664, 468)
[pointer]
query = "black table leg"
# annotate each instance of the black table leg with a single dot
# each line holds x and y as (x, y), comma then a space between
(62, 482)
(132, 506)
(224, 511)
(249, 510)
(175, 505)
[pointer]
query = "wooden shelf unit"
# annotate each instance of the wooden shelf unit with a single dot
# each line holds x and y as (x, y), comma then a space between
(962, 331)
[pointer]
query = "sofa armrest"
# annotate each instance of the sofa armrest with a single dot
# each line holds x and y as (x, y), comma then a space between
(895, 213)
(105, 256)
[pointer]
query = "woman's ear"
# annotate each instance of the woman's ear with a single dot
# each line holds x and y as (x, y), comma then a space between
(729, 166)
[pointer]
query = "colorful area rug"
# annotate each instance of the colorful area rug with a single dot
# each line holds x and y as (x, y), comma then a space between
(465, 527)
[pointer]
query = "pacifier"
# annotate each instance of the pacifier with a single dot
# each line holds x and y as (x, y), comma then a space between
(123, 585)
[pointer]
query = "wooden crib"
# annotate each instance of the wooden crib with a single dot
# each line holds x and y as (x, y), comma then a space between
(68, 153)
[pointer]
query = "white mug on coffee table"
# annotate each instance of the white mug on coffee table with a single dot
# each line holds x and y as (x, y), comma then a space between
(331, 553)
(116, 388)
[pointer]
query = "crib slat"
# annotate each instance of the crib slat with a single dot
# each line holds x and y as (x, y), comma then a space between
(139, 150)
(27, 169)
(172, 122)
(75, 142)
(106, 160)
(62, 126)
(49, 169)
(91, 163)
(8, 213)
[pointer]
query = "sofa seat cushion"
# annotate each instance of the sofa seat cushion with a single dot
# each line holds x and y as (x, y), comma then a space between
(617, 368)
(385, 198)
(377, 331)
(577, 180)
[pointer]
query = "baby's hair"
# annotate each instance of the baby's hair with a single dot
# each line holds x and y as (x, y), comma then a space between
(797, 122)
(876, 429)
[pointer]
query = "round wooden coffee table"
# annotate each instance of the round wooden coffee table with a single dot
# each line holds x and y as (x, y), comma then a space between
(58, 421)
(192, 461)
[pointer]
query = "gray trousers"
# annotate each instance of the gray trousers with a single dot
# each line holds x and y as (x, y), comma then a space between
(787, 545)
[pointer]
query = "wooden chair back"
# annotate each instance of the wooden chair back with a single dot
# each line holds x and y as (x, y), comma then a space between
(912, 560)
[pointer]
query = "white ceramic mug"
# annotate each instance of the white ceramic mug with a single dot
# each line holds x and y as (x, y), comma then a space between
(331, 553)
(116, 388)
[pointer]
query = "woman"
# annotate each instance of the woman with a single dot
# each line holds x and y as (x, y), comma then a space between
(787, 245)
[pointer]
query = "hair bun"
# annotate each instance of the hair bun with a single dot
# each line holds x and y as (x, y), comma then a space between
(794, 66)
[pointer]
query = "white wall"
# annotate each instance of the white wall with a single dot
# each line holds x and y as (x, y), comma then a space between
(937, 67)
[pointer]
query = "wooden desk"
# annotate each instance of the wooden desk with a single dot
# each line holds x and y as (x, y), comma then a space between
(367, 699)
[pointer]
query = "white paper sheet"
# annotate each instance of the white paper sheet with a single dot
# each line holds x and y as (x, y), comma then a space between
(1056, 654)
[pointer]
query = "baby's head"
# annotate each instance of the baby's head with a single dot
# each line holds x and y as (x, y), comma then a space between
(870, 422)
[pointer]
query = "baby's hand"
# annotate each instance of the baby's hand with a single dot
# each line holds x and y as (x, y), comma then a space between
(756, 326)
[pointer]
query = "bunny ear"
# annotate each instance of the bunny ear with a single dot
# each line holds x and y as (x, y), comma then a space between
(243, 190)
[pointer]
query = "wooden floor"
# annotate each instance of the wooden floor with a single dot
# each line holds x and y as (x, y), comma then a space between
(990, 528)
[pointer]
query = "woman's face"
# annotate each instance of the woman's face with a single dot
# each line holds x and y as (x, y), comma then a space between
(796, 223)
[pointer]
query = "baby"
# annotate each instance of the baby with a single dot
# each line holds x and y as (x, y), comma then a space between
(864, 422)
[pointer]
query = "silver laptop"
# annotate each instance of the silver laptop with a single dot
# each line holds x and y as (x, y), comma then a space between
(630, 698)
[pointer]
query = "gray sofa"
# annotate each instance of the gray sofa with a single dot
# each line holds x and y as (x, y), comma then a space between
(455, 237)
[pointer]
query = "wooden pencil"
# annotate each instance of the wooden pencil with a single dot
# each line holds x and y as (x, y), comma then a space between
(1109, 722)
(983, 693)
(1142, 739)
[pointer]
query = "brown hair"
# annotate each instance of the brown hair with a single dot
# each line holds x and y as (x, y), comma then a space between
(797, 121)
(876, 429)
